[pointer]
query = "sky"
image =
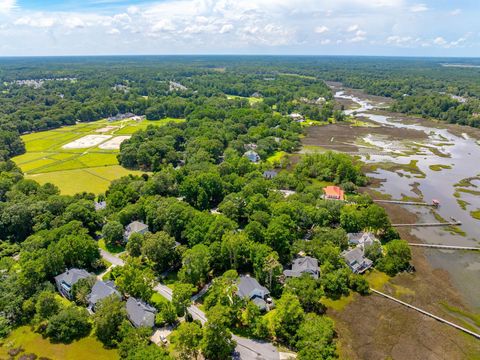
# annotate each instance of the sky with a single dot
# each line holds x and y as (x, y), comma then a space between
(287, 27)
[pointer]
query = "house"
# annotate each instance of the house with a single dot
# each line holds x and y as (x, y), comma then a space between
(66, 280)
(252, 156)
(269, 174)
(304, 265)
(362, 239)
(101, 290)
(356, 260)
(100, 205)
(250, 146)
(287, 193)
(135, 227)
(257, 95)
(250, 289)
(333, 193)
(140, 313)
(297, 117)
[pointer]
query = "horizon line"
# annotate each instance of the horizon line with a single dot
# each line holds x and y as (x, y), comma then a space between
(241, 55)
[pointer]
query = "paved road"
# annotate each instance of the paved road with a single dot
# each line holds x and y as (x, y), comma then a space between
(115, 260)
(247, 349)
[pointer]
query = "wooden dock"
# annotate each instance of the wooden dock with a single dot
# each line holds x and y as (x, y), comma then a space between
(400, 202)
(438, 318)
(452, 223)
(446, 247)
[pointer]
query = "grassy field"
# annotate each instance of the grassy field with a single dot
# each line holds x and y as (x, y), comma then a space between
(75, 170)
(31, 342)
(251, 100)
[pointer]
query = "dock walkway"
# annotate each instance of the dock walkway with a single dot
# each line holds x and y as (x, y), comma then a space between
(453, 223)
(446, 247)
(400, 202)
(461, 328)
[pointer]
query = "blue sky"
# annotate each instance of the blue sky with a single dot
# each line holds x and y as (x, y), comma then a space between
(317, 27)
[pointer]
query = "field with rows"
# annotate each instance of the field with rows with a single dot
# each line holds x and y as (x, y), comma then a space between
(60, 156)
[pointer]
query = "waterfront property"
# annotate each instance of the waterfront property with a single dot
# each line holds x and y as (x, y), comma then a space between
(297, 117)
(135, 227)
(269, 174)
(362, 239)
(356, 260)
(140, 313)
(66, 280)
(250, 289)
(333, 193)
(303, 265)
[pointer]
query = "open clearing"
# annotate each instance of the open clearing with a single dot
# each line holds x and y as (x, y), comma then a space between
(31, 342)
(81, 157)
(86, 142)
(114, 143)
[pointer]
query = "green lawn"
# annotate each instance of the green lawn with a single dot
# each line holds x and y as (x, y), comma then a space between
(110, 249)
(276, 157)
(251, 100)
(76, 170)
(86, 348)
(95, 180)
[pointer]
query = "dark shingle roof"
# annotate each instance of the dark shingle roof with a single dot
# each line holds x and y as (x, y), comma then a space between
(101, 290)
(136, 226)
(71, 276)
(248, 287)
(302, 265)
(140, 313)
(269, 174)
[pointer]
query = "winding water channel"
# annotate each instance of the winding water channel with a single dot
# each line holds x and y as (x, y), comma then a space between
(460, 158)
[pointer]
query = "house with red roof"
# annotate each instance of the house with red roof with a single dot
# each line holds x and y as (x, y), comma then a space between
(333, 193)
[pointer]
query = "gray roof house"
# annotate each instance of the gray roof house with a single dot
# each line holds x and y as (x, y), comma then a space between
(250, 289)
(356, 261)
(101, 290)
(252, 156)
(66, 280)
(304, 265)
(362, 239)
(269, 174)
(140, 313)
(137, 227)
(100, 205)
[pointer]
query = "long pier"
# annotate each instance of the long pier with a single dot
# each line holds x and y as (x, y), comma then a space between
(400, 202)
(438, 318)
(446, 247)
(452, 223)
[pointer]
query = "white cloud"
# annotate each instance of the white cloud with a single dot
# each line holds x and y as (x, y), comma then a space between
(359, 36)
(455, 12)
(36, 22)
(238, 26)
(7, 5)
(226, 28)
(418, 8)
(74, 22)
(352, 28)
(321, 29)
(439, 41)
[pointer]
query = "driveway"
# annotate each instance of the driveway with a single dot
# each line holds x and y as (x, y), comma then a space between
(113, 259)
